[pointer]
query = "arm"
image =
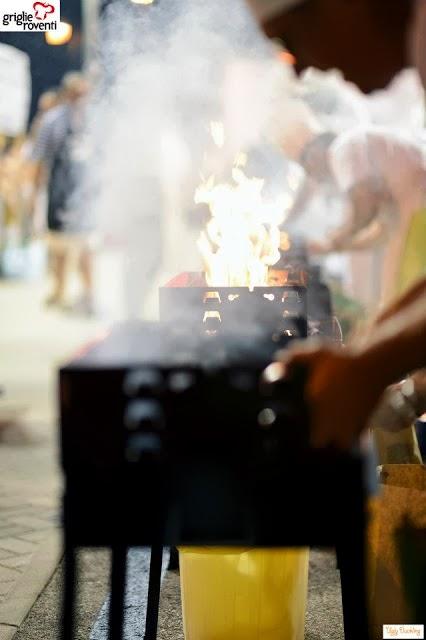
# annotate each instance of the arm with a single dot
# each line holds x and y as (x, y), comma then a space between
(302, 198)
(369, 237)
(366, 221)
(366, 238)
(344, 385)
(398, 345)
(409, 297)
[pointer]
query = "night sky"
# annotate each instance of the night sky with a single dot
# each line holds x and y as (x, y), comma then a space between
(49, 63)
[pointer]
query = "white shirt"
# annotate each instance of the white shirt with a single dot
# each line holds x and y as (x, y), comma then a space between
(398, 165)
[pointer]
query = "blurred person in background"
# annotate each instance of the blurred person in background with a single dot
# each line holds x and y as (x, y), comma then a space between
(38, 204)
(58, 156)
(47, 101)
(14, 195)
(381, 176)
(384, 174)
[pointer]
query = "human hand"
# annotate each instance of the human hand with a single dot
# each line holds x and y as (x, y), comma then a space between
(341, 392)
(394, 412)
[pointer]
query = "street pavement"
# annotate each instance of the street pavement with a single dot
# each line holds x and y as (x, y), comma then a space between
(33, 341)
(323, 616)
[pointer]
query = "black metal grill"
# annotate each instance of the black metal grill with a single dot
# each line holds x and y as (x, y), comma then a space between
(168, 439)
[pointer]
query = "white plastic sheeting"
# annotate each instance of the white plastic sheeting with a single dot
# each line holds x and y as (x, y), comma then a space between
(15, 90)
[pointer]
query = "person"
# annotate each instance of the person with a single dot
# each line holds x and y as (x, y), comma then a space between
(56, 158)
(384, 176)
(378, 179)
(370, 41)
(345, 385)
(47, 101)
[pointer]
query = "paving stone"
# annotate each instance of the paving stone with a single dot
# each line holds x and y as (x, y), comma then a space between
(7, 631)
(29, 523)
(9, 501)
(17, 546)
(4, 554)
(13, 530)
(30, 490)
(16, 562)
(5, 586)
(7, 574)
(33, 536)
(17, 508)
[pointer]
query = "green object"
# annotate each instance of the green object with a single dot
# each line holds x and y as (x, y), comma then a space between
(413, 259)
(348, 311)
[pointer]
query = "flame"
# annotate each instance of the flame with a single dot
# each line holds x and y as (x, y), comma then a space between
(212, 315)
(217, 131)
(240, 160)
(242, 237)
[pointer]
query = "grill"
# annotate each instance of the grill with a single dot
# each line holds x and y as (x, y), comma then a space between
(280, 312)
(169, 438)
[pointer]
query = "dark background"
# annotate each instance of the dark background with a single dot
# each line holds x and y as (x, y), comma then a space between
(49, 63)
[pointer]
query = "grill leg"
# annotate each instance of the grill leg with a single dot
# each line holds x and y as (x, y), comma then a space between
(351, 558)
(69, 593)
(153, 593)
(174, 559)
(118, 588)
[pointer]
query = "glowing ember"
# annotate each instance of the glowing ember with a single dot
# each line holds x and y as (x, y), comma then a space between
(212, 315)
(242, 238)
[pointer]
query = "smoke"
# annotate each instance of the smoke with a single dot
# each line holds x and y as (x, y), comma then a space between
(166, 72)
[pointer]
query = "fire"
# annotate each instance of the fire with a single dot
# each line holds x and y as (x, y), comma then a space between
(242, 238)
(217, 131)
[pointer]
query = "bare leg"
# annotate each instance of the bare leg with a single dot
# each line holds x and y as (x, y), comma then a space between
(86, 272)
(60, 275)
(58, 258)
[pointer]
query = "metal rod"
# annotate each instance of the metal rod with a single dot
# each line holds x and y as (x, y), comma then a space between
(174, 559)
(118, 589)
(351, 558)
(154, 588)
(69, 591)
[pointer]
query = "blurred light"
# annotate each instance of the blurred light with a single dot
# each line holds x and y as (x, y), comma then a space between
(287, 57)
(61, 36)
(266, 418)
(143, 1)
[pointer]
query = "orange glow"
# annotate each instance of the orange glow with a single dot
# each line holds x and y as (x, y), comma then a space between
(61, 36)
(287, 58)
(285, 243)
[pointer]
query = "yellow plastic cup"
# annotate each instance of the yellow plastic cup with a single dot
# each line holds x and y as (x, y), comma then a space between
(243, 594)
